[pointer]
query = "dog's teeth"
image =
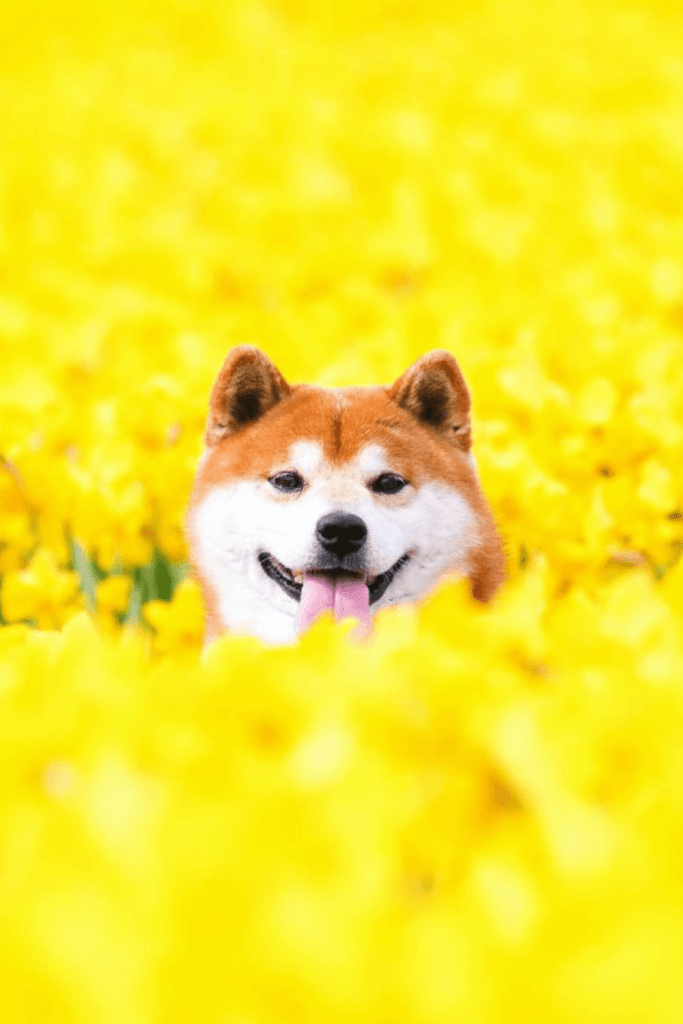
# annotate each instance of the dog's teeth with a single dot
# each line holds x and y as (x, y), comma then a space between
(283, 569)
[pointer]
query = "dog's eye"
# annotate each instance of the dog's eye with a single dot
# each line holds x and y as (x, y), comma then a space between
(289, 482)
(388, 483)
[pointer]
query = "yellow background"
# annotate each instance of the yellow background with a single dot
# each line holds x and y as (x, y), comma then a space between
(479, 816)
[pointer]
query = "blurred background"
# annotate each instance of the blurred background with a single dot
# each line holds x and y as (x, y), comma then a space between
(476, 817)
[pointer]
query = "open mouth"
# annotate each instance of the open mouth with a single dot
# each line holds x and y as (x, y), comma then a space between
(292, 583)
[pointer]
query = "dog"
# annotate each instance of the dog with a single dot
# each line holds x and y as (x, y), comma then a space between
(350, 499)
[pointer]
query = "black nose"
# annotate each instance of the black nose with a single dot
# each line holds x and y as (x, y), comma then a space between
(341, 533)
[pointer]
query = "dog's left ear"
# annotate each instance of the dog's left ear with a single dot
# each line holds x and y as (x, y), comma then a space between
(433, 390)
(247, 386)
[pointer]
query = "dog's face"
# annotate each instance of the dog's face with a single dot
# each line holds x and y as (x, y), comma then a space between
(352, 499)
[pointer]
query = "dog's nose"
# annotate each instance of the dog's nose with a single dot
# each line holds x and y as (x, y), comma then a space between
(341, 533)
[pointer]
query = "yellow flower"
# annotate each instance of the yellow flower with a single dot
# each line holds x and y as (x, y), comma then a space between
(657, 487)
(112, 597)
(113, 593)
(42, 592)
(179, 623)
(476, 816)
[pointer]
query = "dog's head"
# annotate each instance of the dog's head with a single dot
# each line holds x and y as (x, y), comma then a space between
(353, 498)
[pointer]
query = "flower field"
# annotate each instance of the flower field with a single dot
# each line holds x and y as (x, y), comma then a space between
(478, 816)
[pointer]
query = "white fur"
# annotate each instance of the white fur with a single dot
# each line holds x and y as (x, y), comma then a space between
(306, 458)
(236, 521)
(371, 461)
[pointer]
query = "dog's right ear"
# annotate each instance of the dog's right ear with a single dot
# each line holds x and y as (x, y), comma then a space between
(247, 386)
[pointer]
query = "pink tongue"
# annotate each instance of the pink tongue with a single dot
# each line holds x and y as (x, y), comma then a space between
(352, 600)
(348, 596)
(317, 595)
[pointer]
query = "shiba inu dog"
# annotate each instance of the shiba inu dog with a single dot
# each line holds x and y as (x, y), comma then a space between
(351, 499)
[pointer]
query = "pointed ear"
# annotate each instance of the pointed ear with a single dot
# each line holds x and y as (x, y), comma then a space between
(433, 390)
(247, 386)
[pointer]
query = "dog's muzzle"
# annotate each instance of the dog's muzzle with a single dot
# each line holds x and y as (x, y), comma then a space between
(341, 539)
